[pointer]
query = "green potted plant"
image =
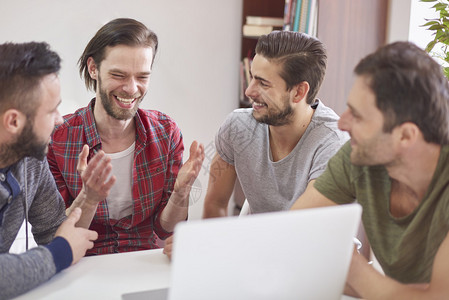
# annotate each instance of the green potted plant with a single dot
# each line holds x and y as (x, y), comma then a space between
(440, 27)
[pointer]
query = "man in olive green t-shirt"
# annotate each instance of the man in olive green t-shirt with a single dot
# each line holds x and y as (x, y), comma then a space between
(397, 167)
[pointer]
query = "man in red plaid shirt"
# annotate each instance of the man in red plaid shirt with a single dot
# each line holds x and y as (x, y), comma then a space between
(151, 191)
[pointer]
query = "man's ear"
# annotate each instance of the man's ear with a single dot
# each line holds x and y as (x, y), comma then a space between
(92, 68)
(408, 133)
(13, 121)
(301, 90)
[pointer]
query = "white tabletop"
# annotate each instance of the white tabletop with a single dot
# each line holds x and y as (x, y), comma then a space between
(108, 277)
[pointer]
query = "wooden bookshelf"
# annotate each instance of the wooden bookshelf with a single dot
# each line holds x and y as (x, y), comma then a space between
(264, 8)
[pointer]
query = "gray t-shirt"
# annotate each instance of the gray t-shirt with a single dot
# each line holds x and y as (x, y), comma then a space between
(274, 186)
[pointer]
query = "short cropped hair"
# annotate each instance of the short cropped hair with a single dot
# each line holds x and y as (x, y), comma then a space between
(22, 67)
(409, 86)
(122, 31)
(303, 58)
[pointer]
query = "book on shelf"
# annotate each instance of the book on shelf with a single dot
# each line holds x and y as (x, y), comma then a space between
(291, 21)
(304, 15)
(245, 79)
(287, 14)
(301, 15)
(247, 70)
(297, 15)
(269, 21)
(313, 18)
(242, 83)
(256, 30)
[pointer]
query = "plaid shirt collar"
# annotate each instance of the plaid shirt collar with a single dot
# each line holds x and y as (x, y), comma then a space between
(93, 137)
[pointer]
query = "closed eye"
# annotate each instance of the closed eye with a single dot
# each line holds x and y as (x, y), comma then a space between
(262, 83)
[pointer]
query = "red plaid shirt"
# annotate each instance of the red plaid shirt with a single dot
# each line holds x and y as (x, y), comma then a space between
(157, 160)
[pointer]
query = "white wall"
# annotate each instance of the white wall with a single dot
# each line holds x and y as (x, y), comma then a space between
(419, 14)
(195, 75)
(405, 20)
(398, 20)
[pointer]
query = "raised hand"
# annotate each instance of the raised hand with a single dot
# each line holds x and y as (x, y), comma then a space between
(188, 173)
(96, 175)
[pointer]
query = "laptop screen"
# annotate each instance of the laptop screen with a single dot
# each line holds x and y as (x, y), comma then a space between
(283, 255)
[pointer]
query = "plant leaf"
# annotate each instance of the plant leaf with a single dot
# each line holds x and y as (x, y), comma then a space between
(439, 6)
(430, 46)
(446, 72)
(431, 23)
(440, 29)
(436, 27)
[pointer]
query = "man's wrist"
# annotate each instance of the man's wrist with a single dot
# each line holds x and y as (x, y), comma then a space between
(85, 202)
(62, 253)
(179, 200)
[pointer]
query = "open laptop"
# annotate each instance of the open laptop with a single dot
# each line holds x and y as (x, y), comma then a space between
(283, 255)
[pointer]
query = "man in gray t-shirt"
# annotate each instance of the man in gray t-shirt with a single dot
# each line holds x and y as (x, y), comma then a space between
(279, 146)
(273, 185)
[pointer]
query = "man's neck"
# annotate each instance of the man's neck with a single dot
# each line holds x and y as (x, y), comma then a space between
(116, 135)
(7, 164)
(411, 177)
(283, 139)
(8, 157)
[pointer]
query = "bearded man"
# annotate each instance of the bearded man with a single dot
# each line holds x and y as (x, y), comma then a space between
(145, 146)
(278, 147)
(29, 100)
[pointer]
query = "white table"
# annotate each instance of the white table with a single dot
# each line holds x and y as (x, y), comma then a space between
(108, 277)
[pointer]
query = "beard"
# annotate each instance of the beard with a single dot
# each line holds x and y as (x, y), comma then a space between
(359, 157)
(375, 151)
(277, 116)
(26, 145)
(114, 111)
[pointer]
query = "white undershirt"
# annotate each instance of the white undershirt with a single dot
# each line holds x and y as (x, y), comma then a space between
(120, 200)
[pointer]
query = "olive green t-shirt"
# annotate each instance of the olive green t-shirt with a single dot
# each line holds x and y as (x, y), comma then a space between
(405, 247)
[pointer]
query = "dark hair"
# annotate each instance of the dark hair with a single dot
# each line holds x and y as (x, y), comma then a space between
(120, 31)
(409, 86)
(22, 66)
(303, 58)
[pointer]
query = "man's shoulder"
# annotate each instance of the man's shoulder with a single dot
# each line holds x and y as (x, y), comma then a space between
(155, 116)
(324, 125)
(154, 120)
(242, 118)
(75, 119)
(242, 113)
(325, 114)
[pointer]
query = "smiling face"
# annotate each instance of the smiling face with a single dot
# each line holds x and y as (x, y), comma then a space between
(268, 93)
(364, 122)
(122, 79)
